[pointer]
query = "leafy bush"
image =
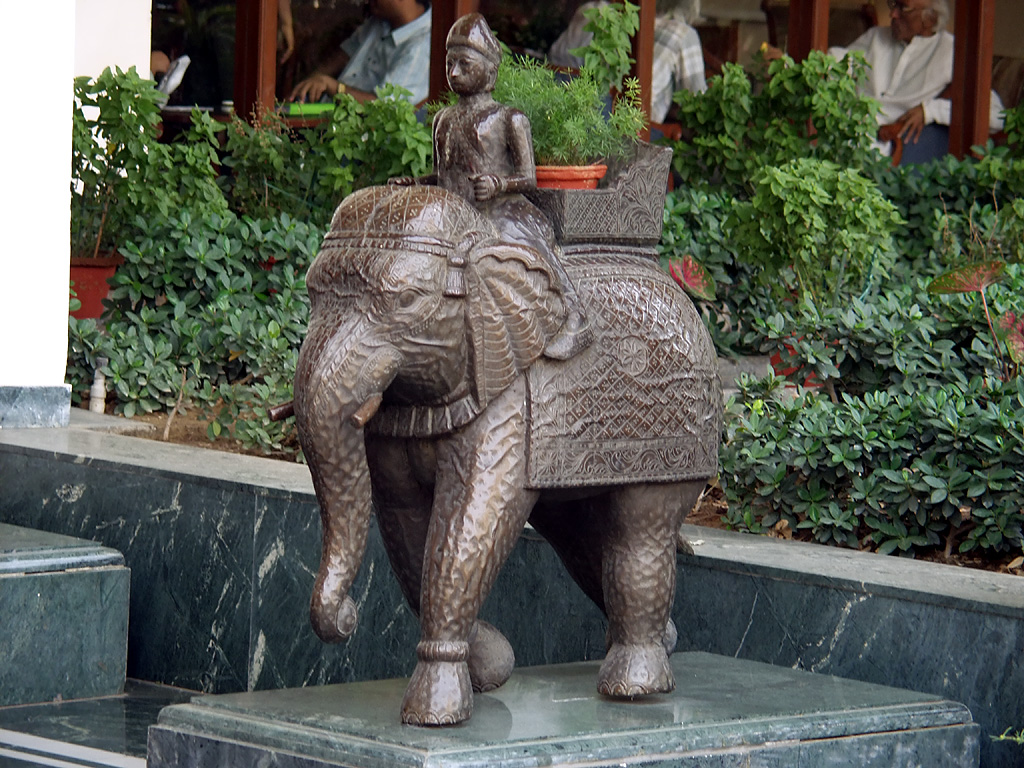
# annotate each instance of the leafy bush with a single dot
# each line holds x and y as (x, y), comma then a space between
(815, 229)
(209, 308)
(268, 171)
(119, 169)
(305, 173)
(695, 225)
(943, 466)
(744, 123)
(209, 311)
(364, 144)
(910, 436)
(918, 442)
(607, 55)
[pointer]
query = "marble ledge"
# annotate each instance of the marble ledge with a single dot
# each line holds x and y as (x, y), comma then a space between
(947, 586)
(94, 443)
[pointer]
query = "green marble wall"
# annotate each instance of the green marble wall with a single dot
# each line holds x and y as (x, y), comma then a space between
(64, 625)
(223, 551)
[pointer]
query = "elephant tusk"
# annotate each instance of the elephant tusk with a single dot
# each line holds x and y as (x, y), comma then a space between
(282, 411)
(365, 411)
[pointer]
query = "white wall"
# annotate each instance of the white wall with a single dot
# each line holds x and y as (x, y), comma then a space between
(35, 141)
(112, 33)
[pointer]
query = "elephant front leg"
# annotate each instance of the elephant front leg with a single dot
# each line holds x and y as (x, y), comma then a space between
(403, 507)
(480, 508)
(638, 581)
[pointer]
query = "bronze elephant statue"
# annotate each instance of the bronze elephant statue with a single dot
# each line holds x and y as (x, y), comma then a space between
(422, 392)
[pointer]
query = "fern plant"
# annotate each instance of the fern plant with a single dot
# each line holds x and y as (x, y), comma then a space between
(570, 117)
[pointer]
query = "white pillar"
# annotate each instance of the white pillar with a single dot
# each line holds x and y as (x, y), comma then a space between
(35, 142)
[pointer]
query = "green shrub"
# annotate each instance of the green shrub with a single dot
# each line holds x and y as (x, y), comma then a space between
(367, 143)
(209, 308)
(943, 466)
(695, 224)
(789, 110)
(912, 437)
(211, 311)
(815, 229)
(120, 170)
(268, 171)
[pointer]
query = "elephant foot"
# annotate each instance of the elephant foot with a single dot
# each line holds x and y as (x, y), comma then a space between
(491, 658)
(439, 692)
(629, 671)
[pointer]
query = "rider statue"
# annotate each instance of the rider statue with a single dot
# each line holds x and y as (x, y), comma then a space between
(483, 151)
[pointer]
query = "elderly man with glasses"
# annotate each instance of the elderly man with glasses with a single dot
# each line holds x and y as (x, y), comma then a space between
(912, 68)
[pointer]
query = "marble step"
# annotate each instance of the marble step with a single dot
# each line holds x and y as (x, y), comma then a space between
(725, 712)
(105, 731)
(64, 609)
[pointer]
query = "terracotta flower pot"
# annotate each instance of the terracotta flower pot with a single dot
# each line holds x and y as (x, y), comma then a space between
(781, 366)
(90, 276)
(570, 176)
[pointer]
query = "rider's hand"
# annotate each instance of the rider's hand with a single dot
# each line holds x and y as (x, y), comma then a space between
(486, 186)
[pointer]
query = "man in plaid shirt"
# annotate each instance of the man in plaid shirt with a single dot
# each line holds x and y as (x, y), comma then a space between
(678, 56)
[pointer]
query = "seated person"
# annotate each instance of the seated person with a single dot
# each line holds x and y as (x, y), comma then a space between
(483, 151)
(678, 56)
(392, 46)
(911, 65)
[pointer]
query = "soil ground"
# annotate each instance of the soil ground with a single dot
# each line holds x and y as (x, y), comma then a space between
(189, 428)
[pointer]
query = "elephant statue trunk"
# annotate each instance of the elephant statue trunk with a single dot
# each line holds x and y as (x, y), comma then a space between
(335, 395)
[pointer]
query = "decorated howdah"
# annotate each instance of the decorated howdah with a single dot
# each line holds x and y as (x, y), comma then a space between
(467, 371)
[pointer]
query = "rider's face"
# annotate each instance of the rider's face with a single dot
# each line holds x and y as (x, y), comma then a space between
(469, 71)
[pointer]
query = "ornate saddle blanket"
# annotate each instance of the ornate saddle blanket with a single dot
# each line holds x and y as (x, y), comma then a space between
(643, 402)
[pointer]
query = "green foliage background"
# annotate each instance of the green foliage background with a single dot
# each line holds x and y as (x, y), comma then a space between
(209, 308)
(899, 426)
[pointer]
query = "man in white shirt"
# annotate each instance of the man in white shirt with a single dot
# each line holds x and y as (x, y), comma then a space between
(910, 67)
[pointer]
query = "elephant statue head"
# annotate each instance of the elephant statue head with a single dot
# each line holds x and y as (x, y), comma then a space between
(417, 306)
(423, 393)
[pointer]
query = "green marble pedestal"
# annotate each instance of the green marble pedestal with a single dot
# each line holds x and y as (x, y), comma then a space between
(63, 617)
(725, 712)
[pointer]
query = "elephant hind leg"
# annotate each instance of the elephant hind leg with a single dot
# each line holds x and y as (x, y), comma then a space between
(638, 581)
(576, 531)
(573, 528)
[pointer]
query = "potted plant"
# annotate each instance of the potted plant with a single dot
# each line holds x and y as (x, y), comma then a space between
(115, 173)
(586, 119)
(570, 117)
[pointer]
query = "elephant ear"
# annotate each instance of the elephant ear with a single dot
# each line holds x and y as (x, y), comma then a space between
(513, 309)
